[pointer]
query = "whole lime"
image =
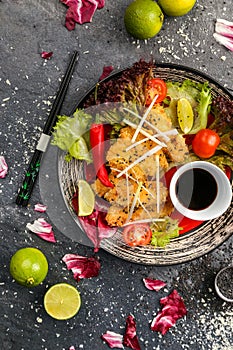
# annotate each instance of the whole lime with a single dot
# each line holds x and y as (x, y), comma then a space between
(29, 266)
(143, 19)
(177, 7)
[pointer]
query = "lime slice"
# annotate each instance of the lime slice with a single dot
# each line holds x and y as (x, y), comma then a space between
(86, 198)
(185, 115)
(62, 301)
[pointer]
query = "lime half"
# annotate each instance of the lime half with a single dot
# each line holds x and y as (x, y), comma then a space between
(185, 115)
(86, 198)
(62, 301)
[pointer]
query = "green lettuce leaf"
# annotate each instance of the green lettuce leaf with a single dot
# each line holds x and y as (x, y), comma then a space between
(163, 231)
(70, 135)
(198, 95)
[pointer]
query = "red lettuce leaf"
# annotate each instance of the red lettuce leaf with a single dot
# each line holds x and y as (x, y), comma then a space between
(130, 338)
(81, 266)
(152, 284)
(173, 309)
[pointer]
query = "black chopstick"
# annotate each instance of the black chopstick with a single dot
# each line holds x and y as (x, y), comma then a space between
(26, 189)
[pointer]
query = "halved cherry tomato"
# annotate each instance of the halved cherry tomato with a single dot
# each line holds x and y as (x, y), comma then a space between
(205, 143)
(137, 234)
(155, 87)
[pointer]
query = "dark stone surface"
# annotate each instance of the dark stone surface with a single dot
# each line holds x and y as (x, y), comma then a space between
(27, 86)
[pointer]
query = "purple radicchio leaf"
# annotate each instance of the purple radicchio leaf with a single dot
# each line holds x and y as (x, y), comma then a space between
(95, 225)
(42, 229)
(106, 71)
(3, 167)
(114, 340)
(46, 55)
(130, 338)
(81, 11)
(40, 208)
(173, 308)
(153, 284)
(82, 266)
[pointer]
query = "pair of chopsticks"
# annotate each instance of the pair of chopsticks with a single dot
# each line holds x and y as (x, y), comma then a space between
(26, 189)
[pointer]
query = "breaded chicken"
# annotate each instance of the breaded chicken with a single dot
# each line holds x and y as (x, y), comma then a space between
(159, 118)
(99, 188)
(120, 155)
(176, 149)
(116, 216)
(131, 166)
(145, 206)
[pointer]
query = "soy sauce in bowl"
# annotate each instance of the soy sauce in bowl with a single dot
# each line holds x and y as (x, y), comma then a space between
(196, 189)
(200, 190)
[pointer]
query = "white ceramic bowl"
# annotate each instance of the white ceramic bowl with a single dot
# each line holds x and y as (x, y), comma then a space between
(223, 195)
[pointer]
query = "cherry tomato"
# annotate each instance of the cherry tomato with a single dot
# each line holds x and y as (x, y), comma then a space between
(205, 143)
(137, 234)
(155, 87)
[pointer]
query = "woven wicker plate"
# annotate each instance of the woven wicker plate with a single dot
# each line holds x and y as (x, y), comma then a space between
(186, 247)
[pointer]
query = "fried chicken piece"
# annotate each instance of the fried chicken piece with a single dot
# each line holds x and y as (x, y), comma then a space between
(152, 198)
(122, 192)
(128, 132)
(116, 216)
(176, 149)
(99, 188)
(120, 155)
(167, 208)
(159, 118)
(145, 206)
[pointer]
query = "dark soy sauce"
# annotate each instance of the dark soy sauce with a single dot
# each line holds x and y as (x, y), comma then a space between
(196, 189)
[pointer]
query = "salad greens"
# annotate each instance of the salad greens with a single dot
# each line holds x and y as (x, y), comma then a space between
(70, 134)
(199, 96)
(163, 231)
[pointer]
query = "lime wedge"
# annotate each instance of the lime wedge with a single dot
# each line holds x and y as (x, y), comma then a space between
(86, 198)
(185, 115)
(62, 301)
